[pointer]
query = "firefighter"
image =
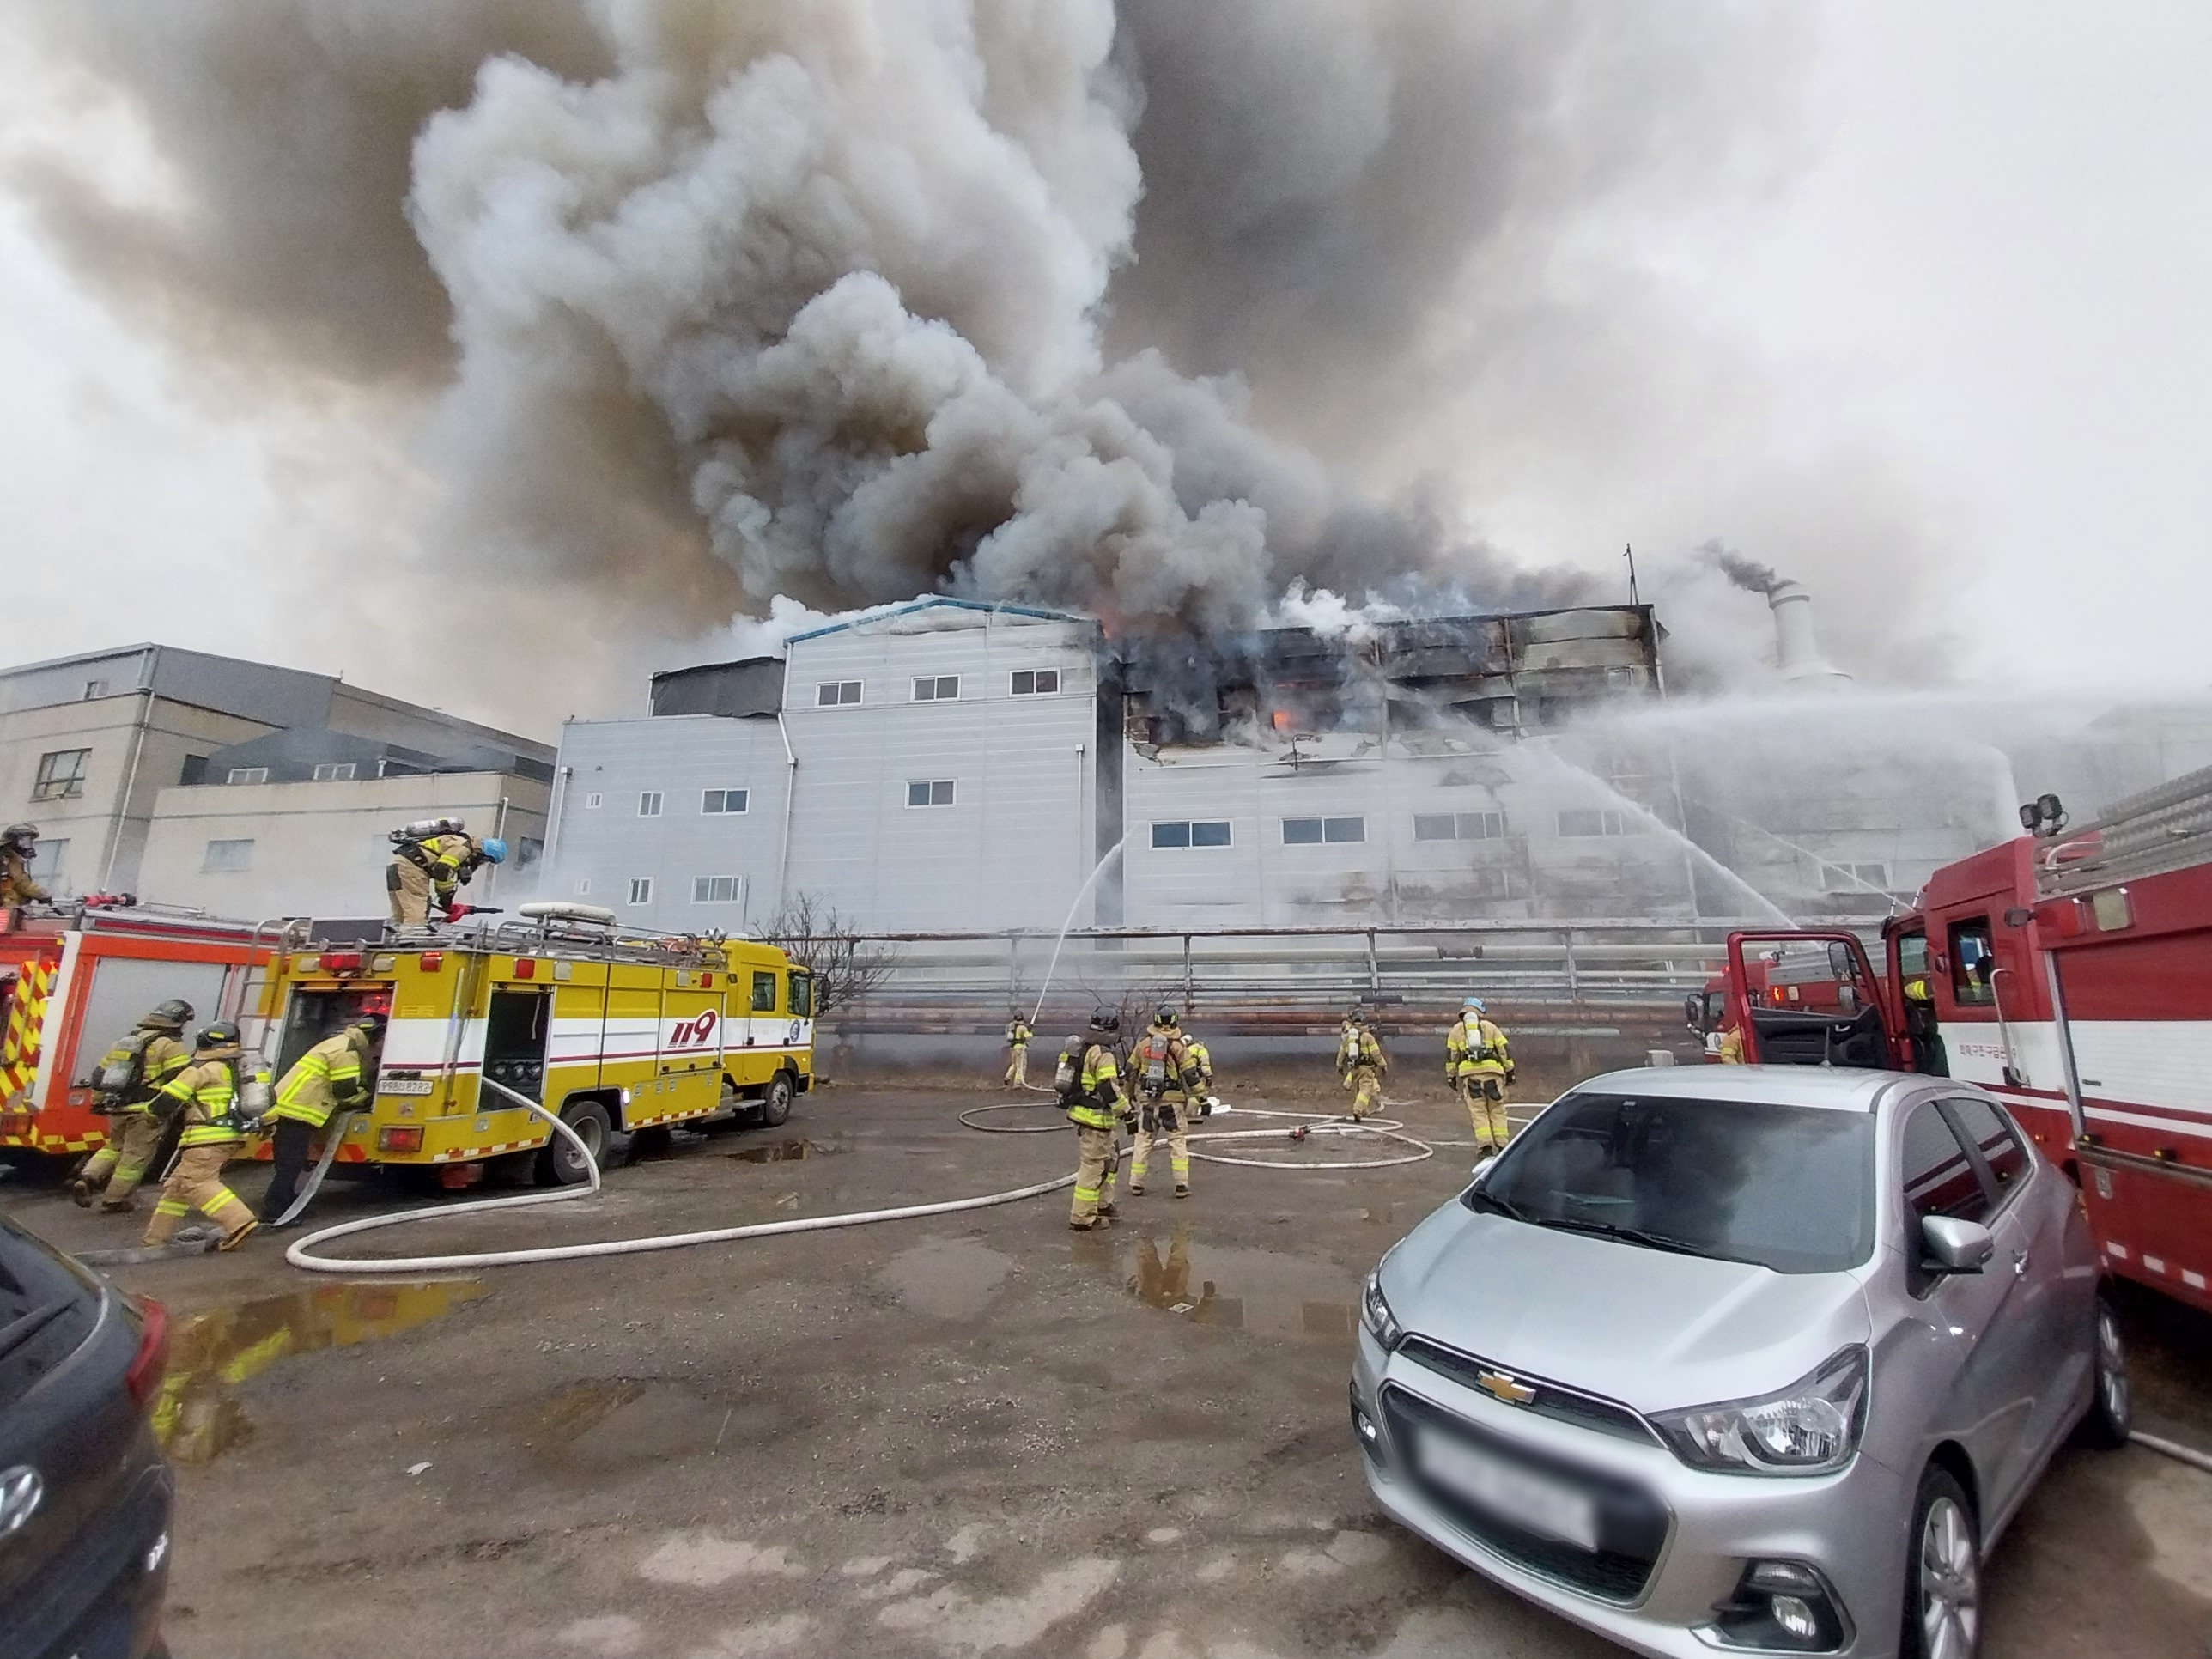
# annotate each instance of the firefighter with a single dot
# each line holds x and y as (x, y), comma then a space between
(1017, 1051)
(1922, 1028)
(1730, 1051)
(19, 846)
(1203, 1106)
(1477, 1063)
(1348, 1038)
(128, 1077)
(430, 863)
(332, 1076)
(1361, 1059)
(1096, 1107)
(206, 1094)
(1168, 1083)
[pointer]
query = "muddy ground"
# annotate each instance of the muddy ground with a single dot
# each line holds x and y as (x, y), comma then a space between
(968, 1435)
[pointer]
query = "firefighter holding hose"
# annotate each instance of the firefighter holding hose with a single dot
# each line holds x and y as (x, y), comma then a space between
(19, 847)
(431, 861)
(1017, 1051)
(330, 1077)
(1169, 1084)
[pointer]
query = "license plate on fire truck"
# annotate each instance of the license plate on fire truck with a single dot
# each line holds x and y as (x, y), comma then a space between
(403, 1085)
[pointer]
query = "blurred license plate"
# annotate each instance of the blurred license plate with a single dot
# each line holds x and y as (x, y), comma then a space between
(405, 1085)
(1531, 1501)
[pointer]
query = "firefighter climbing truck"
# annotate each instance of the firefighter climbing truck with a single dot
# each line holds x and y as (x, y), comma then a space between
(2069, 973)
(72, 985)
(616, 1032)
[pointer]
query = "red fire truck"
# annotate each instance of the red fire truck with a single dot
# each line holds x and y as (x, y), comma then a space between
(2069, 973)
(71, 985)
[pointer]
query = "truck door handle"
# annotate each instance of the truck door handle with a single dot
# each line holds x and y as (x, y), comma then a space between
(2019, 1264)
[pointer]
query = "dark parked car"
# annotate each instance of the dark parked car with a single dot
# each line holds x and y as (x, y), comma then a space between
(85, 1493)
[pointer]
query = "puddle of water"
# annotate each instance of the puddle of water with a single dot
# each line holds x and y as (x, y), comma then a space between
(784, 1152)
(197, 1418)
(946, 1277)
(1262, 1291)
(581, 1406)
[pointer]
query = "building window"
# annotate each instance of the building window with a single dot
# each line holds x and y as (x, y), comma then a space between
(722, 800)
(61, 774)
(1312, 832)
(334, 771)
(718, 889)
(1459, 826)
(641, 889)
(1204, 832)
(936, 688)
(936, 791)
(228, 858)
(1854, 878)
(53, 853)
(194, 770)
(94, 689)
(593, 802)
(1036, 682)
(248, 774)
(837, 694)
(583, 886)
(1598, 821)
(648, 803)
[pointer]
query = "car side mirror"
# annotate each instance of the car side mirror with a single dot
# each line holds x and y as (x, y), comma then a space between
(1956, 1246)
(1693, 1011)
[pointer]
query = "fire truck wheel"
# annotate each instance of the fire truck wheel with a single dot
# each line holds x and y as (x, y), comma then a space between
(557, 1162)
(775, 1104)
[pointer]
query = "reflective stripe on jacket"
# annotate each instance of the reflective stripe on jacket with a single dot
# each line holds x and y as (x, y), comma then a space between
(1475, 1048)
(1097, 1104)
(209, 1093)
(324, 1079)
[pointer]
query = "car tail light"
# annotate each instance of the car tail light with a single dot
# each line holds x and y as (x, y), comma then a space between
(341, 962)
(151, 1362)
(400, 1139)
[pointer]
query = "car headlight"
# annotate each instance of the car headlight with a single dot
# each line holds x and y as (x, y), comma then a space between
(1811, 1427)
(1375, 1312)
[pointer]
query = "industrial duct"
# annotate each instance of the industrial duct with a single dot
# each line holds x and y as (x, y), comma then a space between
(1796, 652)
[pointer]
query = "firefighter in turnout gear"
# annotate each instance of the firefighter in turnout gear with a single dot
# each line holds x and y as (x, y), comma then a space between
(332, 1076)
(1361, 1059)
(1094, 1108)
(1477, 1063)
(430, 863)
(126, 1079)
(1017, 1051)
(1203, 1106)
(1169, 1085)
(19, 845)
(206, 1093)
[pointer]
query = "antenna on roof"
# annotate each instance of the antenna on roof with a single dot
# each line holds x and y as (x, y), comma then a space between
(1628, 552)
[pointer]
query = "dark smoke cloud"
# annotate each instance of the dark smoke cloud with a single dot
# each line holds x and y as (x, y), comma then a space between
(848, 300)
(1747, 573)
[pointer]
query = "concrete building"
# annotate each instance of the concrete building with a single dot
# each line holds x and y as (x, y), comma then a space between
(136, 762)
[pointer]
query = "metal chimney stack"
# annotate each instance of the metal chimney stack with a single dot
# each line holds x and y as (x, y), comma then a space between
(1798, 656)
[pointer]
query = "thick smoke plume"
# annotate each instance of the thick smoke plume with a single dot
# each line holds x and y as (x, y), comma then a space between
(1747, 573)
(846, 299)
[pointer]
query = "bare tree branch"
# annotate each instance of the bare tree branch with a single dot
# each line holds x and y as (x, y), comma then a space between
(846, 965)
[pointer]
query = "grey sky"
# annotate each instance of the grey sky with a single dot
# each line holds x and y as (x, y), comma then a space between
(1970, 324)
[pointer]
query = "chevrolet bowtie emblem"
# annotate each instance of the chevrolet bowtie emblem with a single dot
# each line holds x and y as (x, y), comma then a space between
(1511, 1390)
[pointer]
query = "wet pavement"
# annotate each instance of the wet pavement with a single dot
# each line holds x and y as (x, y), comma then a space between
(976, 1434)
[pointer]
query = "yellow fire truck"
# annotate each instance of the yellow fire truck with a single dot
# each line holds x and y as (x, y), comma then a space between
(617, 1031)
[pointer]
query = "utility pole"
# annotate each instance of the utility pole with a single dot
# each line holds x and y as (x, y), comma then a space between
(1628, 552)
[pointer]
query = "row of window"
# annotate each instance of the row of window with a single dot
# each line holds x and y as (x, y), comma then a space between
(705, 890)
(62, 772)
(1427, 826)
(937, 688)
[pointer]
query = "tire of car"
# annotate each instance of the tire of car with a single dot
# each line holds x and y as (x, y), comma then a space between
(775, 1104)
(2112, 1408)
(1943, 1574)
(557, 1162)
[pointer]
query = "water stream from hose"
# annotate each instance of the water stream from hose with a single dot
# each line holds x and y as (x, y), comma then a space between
(1111, 853)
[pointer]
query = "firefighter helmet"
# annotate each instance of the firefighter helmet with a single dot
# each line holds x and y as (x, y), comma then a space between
(1106, 1020)
(369, 1023)
(494, 850)
(174, 1015)
(221, 1034)
(1166, 1015)
(23, 836)
(1478, 1005)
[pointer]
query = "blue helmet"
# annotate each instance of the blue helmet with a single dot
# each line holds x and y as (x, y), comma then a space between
(1476, 1003)
(494, 849)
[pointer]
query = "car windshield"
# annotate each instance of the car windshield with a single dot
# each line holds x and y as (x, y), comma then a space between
(1789, 1187)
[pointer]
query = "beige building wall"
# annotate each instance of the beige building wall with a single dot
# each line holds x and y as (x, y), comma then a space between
(320, 849)
(136, 746)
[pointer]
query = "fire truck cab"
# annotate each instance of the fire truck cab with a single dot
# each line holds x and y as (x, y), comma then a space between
(617, 1030)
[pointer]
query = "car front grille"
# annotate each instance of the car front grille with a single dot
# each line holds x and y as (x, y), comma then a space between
(1562, 1404)
(1633, 1523)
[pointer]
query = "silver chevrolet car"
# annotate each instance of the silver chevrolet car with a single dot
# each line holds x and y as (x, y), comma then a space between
(1741, 1359)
